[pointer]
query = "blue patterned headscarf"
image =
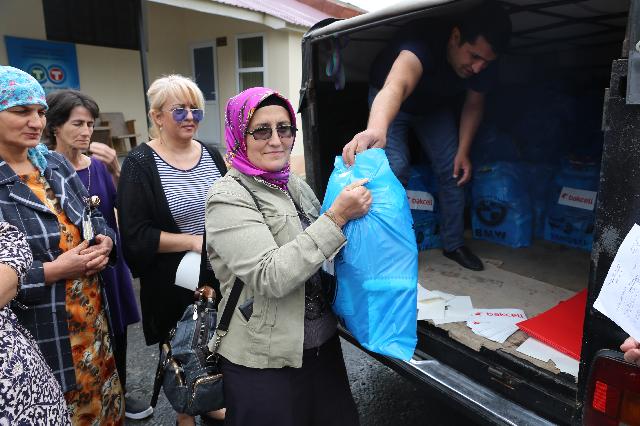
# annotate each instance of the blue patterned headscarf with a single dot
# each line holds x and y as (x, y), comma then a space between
(19, 88)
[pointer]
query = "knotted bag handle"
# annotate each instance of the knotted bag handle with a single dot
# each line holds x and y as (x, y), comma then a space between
(203, 293)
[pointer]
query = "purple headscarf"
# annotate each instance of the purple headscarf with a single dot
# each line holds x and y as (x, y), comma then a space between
(239, 111)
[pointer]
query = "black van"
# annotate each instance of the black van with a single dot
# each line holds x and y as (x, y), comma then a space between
(585, 46)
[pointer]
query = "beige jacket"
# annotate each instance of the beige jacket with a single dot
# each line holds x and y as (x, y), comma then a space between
(274, 257)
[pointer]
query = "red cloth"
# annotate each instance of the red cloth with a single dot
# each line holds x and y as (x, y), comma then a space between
(561, 326)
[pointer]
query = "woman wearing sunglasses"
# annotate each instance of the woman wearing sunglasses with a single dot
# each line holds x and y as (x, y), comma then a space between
(281, 358)
(161, 199)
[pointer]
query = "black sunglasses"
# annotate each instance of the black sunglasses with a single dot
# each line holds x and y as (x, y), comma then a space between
(285, 131)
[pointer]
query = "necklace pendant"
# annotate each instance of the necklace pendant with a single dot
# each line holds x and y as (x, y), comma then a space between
(87, 226)
(91, 203)
(94, 202)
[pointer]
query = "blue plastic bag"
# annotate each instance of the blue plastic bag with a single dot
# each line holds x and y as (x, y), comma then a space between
(422, 192)
(540, 175)
(377, 271)
(571, 209)
(491, 145)
(501, 205)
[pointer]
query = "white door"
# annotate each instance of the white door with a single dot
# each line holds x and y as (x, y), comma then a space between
(205, 73)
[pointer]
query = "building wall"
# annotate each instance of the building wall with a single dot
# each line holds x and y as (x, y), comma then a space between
(169, 51)
(113, 76)
(20, 18)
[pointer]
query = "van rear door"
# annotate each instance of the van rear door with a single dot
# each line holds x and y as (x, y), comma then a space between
(522, 392)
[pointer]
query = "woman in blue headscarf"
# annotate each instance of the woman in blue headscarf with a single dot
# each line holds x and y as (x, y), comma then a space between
(60, 302)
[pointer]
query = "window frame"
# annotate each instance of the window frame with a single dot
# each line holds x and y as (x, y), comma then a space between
(262, 69)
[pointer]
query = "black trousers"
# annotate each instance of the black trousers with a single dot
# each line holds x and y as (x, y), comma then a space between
(317, 394)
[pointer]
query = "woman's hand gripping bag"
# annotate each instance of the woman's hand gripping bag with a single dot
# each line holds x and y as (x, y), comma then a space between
(377, 270)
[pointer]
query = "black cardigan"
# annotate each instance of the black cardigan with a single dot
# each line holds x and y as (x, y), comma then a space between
(143, 212)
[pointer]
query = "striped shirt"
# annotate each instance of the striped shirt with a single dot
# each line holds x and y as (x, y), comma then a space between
(186, 191)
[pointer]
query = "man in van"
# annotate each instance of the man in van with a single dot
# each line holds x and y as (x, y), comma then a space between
(415, 83)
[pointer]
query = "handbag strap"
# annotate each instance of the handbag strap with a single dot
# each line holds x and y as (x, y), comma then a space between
(234, 295)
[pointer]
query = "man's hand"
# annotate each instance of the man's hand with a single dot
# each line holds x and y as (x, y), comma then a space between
(462, 164)
(631, 349)
(108, 156)
(370, 138)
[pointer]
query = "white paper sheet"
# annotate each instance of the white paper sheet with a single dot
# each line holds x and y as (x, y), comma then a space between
(431, 309)
(430, 304)
(510, 316)
(436, 294)
(567, 364)
(495, 324)
(619, 298)
(538, 350)
(456, 309)
(422, 292)
(188, 271)
(496, 333)
(442, 307)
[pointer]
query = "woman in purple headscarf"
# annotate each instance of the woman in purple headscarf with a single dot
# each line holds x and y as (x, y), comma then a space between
(281, 358)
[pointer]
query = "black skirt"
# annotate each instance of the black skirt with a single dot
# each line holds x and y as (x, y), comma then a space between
(317, 394)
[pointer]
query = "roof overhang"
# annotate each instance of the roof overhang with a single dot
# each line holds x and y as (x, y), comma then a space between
(228, 11)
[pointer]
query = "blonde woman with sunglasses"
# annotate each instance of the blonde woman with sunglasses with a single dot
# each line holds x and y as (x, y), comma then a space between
(161, 205)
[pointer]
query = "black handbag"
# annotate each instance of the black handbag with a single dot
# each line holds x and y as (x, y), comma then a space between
(187, 370)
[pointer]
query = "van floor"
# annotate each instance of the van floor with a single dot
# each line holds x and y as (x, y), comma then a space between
(533, 279)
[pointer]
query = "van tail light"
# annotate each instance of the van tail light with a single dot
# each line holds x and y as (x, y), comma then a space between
(613, 392)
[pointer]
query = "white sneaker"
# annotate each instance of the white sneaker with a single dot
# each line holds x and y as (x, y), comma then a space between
(136, 410)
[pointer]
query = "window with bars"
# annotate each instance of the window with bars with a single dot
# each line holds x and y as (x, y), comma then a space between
(251, 61)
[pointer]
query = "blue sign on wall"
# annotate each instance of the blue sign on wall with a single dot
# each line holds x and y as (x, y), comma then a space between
(54, 64)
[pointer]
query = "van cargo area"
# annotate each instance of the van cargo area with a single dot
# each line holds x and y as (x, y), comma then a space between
(511, 279)
(545, 112)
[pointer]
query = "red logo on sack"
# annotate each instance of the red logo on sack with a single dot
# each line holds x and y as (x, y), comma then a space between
(420, 200)
(579, 198)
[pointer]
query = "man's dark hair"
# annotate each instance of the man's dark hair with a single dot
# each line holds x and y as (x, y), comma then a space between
(489, 20)
(61, 103)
